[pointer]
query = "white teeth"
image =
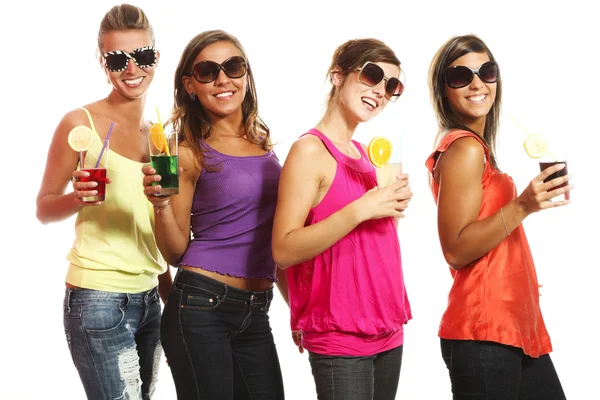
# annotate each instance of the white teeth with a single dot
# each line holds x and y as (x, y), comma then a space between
(476, 98)
(133, 82)
(369, 102)
(224, 94)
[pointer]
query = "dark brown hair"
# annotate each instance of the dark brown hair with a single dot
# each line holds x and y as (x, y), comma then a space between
(189, 118)
(453, 49)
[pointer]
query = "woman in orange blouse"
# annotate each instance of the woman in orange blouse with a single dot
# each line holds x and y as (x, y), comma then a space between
(493, 338)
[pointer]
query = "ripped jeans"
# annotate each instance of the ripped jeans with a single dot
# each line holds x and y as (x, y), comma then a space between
(114, 339)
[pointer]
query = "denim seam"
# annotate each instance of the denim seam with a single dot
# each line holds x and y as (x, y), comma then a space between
(332, 379)
(243, 377)
(187, 350)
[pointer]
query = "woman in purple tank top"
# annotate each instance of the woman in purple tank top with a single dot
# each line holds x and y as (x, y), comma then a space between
(217, 230)
(336, 231)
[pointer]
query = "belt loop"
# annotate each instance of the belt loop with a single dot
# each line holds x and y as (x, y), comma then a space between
(68, 299)
(225, 292)
(252, 296)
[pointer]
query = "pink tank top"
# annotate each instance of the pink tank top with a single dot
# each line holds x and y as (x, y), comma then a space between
(350, 300)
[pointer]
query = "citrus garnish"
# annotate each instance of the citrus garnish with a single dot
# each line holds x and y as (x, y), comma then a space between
(81, 138)
(158, 138)
(535, 145)
(379, 151)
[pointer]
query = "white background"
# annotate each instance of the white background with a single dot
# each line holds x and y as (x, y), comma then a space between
(549, 61)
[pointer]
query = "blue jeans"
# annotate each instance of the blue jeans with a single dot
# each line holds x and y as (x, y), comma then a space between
(357, 378)
(114, 339)
(218, 341)
(492, 371)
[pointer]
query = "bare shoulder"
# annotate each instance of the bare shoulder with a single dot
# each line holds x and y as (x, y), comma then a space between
(308, 146)
(466, 149)
(187, 160)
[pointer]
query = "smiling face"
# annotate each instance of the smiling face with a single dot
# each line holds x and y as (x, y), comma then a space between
(223, 96)
(133, 82)
(472, 103)
(359, 101)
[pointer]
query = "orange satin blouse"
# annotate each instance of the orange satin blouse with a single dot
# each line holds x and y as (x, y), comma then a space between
(496, 297)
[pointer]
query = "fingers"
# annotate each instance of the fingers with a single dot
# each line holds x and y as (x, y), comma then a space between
(561, 180)
(148, 170)
(398, 184)
(549, 171)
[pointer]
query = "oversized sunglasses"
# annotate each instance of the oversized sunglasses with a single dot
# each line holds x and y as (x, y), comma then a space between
(460, 76)
(372, 74)
(207, 71)
(117, 61)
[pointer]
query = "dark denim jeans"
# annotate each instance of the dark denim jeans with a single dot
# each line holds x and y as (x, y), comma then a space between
(493, 371)
(218, 341)
(357, 378)
(114, 339)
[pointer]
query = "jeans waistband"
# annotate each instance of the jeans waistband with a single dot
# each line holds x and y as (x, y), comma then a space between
(80, 294)
(187, 279)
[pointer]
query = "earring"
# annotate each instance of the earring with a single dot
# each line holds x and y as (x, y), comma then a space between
(193, 97)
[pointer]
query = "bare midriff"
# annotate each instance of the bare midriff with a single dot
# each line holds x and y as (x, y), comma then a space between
(258, 285)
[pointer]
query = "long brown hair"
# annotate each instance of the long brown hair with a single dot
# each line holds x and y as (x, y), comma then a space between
(453, 49)
(353, 54)
(189, 118)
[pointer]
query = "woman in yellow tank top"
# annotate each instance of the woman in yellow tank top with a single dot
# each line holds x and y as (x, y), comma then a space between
(116, 273)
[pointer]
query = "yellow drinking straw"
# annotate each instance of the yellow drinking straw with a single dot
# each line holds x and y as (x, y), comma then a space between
(528, 134)
(163, 132)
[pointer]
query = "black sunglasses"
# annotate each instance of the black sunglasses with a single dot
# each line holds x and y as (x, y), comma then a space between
(460, 76)
(372, 74)
(117, 61)
(207, 71)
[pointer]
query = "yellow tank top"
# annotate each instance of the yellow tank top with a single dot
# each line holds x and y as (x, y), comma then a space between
(114, 248)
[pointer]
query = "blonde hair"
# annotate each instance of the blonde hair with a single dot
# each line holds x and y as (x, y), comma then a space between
(124, 17)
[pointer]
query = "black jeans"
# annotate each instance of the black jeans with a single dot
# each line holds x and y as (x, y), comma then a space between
(218, 341)
(492, 371)
(357, 378)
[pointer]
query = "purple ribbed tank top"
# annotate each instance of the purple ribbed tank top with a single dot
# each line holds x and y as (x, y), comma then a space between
(232, 215)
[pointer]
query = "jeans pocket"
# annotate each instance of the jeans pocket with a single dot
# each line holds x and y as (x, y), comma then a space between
(102, 317)
(199, 301)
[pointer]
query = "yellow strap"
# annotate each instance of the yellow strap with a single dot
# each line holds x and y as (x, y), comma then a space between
(90, 119)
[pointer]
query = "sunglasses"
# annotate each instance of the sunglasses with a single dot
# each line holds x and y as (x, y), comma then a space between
(372, 74)
(460, 76)
(207, 71)
(117, 61)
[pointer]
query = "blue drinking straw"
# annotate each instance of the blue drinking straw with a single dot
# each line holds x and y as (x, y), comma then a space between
(112, 124)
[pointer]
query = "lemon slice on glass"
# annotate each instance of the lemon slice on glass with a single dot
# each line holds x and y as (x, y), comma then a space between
(81, 138)
(535, 145)
(379, 151)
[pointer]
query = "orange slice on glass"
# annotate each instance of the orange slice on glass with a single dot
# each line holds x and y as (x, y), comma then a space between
(535, 145)
(379, 151)
(81, 138)
(158, 138)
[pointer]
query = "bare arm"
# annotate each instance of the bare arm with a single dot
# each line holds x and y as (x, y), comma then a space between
(173, 214)
(301, 179)
(53, 204)
(282, 285)
(463, 238)
(165, 281)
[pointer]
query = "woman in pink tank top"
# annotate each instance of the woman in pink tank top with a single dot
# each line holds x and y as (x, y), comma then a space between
(335, 232)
